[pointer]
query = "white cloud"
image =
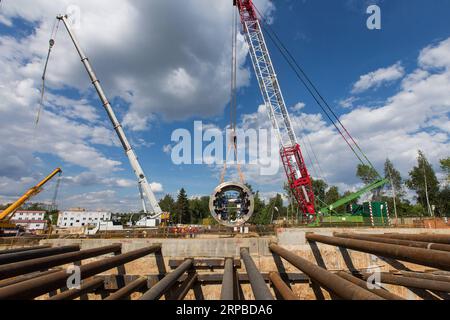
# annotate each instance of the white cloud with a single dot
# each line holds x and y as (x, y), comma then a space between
(299, 107)
(170, 70)
(416, 117)
(436, 56)
(379, 77)
(157, 187)
(348, 103)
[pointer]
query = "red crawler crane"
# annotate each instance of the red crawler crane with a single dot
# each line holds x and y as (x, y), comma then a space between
(297, 173)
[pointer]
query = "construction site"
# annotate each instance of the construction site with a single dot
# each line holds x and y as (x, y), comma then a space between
(356, 246)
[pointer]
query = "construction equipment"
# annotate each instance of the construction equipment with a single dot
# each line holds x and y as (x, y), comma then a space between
(297, 173)
(343, 201)
(6, 214)
(144, 186)
(299, 180)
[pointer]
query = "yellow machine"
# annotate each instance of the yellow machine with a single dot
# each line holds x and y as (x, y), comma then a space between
(6, 215)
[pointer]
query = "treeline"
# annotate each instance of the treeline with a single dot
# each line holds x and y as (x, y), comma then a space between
(432, 197)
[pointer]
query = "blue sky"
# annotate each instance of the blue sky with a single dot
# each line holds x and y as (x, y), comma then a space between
(162, 76)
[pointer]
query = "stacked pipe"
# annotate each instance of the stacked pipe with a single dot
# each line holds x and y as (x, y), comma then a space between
(32, 278)
(425, 250)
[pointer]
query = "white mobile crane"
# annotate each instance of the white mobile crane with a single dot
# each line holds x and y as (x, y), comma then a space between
(144, 187)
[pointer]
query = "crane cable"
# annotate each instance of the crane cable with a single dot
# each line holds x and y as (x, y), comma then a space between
(42, 90)
(318, 97)
(57, 187)
(233, 105)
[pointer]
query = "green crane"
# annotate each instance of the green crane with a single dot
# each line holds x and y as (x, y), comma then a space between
(343, 201)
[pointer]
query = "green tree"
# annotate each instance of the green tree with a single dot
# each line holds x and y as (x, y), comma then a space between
(182, 208)
(369, 175)
(422, 180)
(167, 204)
(445, 166)
(395, 178)
(332, 195)
(366, 173)
(320, 188)
(199, 209)
(443, 203)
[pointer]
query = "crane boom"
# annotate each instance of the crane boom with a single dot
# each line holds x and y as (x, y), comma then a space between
(144, 186)
(297, 173)
(8, 212)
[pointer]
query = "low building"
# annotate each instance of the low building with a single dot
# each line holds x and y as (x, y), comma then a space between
(30, 220)
(82, 218)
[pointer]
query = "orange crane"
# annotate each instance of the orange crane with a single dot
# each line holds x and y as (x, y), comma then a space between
(6, 215)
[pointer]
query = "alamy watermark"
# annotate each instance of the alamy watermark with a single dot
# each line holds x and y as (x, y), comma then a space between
(210, 146)
(74, 280)
(374, 20)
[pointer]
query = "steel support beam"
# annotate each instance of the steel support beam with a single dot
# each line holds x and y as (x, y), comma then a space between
(433, 238)
(33, 254)
(126, 291)
(363, 284)
(28, 266)
(331, 282)
(227, 292)
(409, 282)
(282, 288)
(209, 264)
(87, 287)
(408, 243)
(36, 287)
(158, 290)
(257, 282)
(431, 258)
(23, 249)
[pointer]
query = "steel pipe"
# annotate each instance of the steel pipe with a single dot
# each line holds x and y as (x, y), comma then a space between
(28, 266)
(157, 291)
(363, 284)
(432, 258)
(22, 249)
(433, 238)
(428, 276)
(185, 287)
(440, 286)
(227, 293)
(126, 291)
(408, 243)
(33, 254)
(9, 282)
(87, 287)
(36, 287)
(257, 282)
(282, 288)
(333, 283)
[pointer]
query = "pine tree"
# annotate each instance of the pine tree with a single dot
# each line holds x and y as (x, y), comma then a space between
(182, 208)
(395, 178)
(445, 166)
(423, 180)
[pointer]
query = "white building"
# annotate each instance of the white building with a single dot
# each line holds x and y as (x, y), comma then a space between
(81, 218)
(30, 220)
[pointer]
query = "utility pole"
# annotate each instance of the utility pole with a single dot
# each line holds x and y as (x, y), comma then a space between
(394, 194)
(430, 212)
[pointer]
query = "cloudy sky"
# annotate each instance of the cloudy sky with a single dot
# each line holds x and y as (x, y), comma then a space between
(165, 64)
